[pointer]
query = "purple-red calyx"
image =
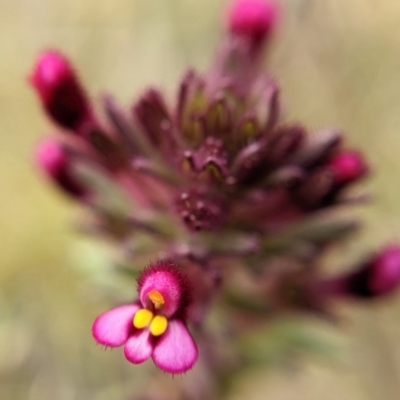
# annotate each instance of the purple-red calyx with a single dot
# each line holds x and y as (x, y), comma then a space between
(61, 93)
(252, 18)
(154, 326)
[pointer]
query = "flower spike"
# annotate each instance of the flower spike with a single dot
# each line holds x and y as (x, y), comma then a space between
(241, 202)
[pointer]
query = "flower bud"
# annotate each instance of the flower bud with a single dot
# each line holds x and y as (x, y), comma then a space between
(347, 167)
(384, 271)
(252, 18)
(323, 184)
(376, 277)
(61, 94)
(54, 160)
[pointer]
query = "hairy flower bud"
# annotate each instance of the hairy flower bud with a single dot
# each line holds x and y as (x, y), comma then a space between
(61, 94)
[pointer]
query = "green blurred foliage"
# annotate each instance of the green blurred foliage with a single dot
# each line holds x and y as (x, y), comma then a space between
(338, 62)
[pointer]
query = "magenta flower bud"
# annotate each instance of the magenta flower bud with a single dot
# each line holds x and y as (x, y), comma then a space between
(54, 160)
(384, 272)
(154, 326)
(252, 18)
(61, 94)
(376, 277)
(347, 167)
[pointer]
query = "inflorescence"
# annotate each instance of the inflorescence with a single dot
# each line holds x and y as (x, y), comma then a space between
(218, 185)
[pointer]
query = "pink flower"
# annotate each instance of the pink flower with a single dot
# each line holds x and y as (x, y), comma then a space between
(154, 326)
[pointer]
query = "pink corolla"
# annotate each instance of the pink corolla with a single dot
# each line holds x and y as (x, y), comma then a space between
(154, 326)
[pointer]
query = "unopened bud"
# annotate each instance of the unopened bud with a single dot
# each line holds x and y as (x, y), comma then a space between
(376, 277)
(347, 167)
(384, 272)
(61, 94)
(252, 18)
(54, 160)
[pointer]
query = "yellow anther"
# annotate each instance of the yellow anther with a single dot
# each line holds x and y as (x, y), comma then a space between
(157, 298)
(158, 325)
(142, 318)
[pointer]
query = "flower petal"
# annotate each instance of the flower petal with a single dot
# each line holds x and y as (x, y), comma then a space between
(113, 327)
(138, 347)
(176, 351)
(169, 282)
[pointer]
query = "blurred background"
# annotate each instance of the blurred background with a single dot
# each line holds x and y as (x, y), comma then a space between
(338, 62)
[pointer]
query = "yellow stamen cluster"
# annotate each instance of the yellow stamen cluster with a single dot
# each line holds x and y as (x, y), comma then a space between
(144, 317)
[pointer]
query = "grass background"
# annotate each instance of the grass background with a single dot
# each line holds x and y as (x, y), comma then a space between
(338, 62)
